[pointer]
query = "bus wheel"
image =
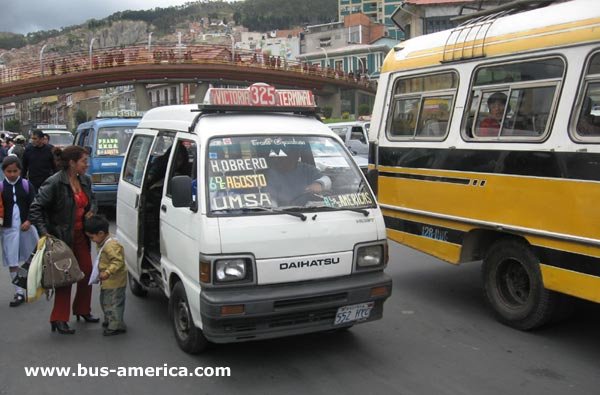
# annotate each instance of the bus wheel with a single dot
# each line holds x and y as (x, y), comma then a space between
(136, 288)
(514, 288)
(189, 338)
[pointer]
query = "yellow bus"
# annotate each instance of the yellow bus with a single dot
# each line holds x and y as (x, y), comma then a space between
(485, 145)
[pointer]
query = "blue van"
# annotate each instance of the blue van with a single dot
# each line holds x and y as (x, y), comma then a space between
(107, 140)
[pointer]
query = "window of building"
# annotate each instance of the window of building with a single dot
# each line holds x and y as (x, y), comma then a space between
(513, 101)
(422, 107)
(173, 95)
(437, 24)
(325, 42)
(587, 126)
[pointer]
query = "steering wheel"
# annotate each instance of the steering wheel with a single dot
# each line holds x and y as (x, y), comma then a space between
(304, 198)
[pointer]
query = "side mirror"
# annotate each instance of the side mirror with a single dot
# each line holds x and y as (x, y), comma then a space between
(181, 191)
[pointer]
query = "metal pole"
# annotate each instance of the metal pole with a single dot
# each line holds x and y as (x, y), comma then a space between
(179, 45)
(232, 48)
(326, 58)
(42, 58)
(91, 49)
(362, 64)
(149, 45)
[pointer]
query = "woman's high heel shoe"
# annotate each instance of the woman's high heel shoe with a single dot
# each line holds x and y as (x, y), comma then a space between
(87, 318)
(61, 327)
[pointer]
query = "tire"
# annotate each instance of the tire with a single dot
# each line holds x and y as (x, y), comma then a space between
(136, 288)
(189, 338)
(514, 288)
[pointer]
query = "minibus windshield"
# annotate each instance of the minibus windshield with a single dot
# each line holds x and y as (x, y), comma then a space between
(311, 173)
(113, 140)
(60, 139)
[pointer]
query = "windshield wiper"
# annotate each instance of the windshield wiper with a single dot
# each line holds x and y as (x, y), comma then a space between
(328, 208)
(276, 211)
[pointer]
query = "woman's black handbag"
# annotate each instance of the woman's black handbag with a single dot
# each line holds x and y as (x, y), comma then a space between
(21, 279)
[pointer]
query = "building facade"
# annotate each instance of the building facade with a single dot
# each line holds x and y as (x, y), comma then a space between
(378, 10)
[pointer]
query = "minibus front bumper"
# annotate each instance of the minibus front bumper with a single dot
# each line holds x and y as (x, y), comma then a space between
(278, 310)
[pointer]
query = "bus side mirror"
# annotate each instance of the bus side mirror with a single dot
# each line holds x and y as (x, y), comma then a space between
(181, 191)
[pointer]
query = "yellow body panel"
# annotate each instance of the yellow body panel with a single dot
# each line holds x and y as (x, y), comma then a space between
(445, 251)
(571, 283)
(552, 205)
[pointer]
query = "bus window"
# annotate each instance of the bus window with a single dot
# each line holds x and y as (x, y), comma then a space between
(513, 100)
(422, 106)
(588, 122)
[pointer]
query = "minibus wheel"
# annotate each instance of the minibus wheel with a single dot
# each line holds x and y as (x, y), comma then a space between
(136, 288)
(513, 285)
(189, 338)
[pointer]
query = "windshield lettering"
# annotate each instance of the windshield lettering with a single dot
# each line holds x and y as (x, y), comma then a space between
(348, 200)
(225, 165)
(237, 202)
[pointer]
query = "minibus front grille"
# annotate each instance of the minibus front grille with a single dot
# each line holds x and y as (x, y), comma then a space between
(281, 321)
(311, 317)
(312, 300)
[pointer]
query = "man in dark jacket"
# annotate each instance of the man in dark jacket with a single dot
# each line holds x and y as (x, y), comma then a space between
(38, 160)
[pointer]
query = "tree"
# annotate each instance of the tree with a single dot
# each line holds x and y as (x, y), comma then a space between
(81, 117)
(327, 111)
(364, 109)
(13, 125)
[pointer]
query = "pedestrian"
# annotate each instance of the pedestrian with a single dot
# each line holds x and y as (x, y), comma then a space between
(19, 148)
(59, 209)
(19, 238)
(110, 264)
(38, 160)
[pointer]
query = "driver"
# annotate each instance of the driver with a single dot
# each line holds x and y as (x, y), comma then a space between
(288, 178)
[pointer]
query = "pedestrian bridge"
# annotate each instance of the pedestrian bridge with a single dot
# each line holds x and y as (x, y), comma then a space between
(136, 65)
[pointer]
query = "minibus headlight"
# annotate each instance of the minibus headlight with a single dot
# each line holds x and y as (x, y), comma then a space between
(369, 256)
(105, 178)
(230, 270)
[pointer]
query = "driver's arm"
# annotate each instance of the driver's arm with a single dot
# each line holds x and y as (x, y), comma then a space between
(321, 182)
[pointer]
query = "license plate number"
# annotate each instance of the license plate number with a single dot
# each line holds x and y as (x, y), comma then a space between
(356, 312)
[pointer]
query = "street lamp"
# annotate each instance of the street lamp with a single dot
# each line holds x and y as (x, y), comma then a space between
(326, 57)
(362, 64)
(149, 45)
(91, 48)
(42, 58)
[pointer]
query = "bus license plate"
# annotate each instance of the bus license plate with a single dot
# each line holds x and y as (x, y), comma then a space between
(356, 312)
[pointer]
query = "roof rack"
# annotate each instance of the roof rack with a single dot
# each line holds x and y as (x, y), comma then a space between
(467, 40)
(204, 109)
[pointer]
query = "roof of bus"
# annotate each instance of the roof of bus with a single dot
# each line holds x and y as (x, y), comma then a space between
(180, 117)
(573, 22)
(103, 122)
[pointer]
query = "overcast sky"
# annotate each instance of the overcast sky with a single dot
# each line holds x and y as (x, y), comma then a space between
(24, 16)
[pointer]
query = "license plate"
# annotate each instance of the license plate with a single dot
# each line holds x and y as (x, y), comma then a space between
(356, 312)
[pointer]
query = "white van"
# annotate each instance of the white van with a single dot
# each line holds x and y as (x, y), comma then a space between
(223, 207)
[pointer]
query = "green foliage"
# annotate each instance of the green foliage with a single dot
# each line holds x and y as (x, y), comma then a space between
(11, 40)
(256, 15)
(13, 125)
(345, 115)
(81, 117)
(364, 109)
(327, 111)
(263, 15)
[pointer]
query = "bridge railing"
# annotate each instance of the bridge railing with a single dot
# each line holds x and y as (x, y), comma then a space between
(163, 54)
